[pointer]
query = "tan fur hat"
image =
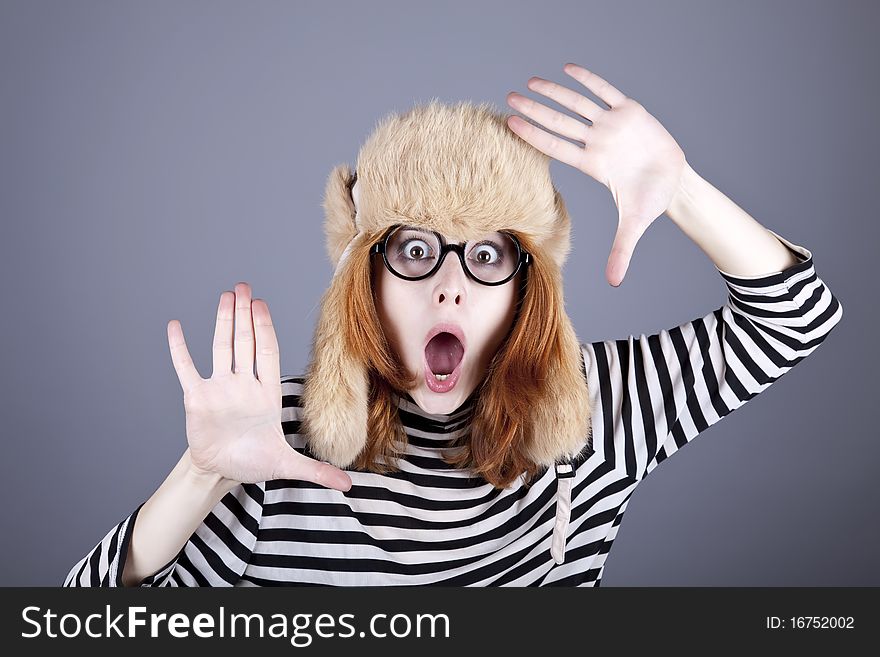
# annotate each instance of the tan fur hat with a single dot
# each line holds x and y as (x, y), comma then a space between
(459, 170)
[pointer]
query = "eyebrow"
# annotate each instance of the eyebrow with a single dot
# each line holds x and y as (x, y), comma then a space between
(428, 230)
(421, 229)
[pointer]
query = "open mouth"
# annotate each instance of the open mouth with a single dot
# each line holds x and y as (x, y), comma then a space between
(443, 354)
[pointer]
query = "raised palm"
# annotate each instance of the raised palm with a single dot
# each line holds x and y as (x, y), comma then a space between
(233, 419)
(625, 148)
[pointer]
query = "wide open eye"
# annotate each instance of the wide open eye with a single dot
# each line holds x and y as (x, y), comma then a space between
(486, 254)
(492, 258)
(414, 249)
(412, 252)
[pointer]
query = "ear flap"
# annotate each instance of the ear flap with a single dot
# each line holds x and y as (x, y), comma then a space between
(562, 418)
(560, 414)
(334, 397)
(334, 394)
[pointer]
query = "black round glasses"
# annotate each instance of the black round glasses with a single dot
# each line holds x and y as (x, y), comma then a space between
(413, 254)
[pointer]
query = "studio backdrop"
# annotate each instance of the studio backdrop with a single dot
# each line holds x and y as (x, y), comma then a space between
(154, 154)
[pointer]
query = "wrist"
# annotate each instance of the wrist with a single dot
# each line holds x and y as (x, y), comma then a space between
(204, 480)
(683, 200)
(208, 480)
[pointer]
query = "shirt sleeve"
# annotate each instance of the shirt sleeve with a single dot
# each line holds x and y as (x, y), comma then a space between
(658, 392)
(215, 555)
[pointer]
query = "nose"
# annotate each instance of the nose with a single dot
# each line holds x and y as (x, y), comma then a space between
(450, 281)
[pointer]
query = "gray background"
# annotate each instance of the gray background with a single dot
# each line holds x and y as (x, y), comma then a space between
(153, 154)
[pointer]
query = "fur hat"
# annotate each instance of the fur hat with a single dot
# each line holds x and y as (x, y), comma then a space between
(459, 170)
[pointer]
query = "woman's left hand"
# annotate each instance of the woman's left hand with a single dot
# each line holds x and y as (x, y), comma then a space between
(626, 149)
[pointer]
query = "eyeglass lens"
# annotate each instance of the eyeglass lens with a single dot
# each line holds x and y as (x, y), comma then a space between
(414, 252)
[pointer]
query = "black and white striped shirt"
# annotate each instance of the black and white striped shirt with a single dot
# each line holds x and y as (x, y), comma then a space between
(431, 524)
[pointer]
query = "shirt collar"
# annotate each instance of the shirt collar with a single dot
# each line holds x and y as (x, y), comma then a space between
(410, 409)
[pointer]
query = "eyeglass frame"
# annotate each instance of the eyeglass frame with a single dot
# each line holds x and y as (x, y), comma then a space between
(523, 256)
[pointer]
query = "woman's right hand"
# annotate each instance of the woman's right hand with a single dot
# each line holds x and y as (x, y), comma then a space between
(233, 419)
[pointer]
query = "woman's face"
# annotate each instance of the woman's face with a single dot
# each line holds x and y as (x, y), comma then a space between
(409, 310)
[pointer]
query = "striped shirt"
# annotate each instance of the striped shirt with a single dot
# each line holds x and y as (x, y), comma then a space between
(432, 524)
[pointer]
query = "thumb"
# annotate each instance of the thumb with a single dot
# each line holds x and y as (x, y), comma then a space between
(629, 232)
(293, 465)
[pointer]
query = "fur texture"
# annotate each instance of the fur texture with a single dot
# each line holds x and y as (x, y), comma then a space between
(457, 169)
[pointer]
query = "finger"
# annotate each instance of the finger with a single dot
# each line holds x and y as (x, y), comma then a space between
(622, 249)
(183, 364)
(551, 119)
(602, 88)
(546, 143)
(615, 270)
(268, 358)
(293, 465)
(223, 334)
(566, 97)
(243, 354)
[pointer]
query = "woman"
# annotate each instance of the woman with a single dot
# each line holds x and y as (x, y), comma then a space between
(450, 428)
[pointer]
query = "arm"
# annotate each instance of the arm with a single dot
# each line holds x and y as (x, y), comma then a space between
(167, 520)
(736, 243)
(193, 529)
(654, 394)
(778, 312)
